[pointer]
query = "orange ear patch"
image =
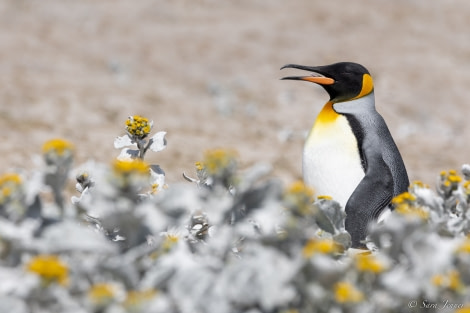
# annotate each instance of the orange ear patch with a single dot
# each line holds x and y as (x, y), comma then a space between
(367, 86)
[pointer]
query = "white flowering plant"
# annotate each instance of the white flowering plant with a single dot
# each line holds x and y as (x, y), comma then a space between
(227, 241)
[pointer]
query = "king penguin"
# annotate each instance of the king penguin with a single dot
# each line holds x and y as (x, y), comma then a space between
(349, 153)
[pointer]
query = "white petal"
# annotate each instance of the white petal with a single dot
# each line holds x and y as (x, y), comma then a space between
(122, 141)
(158, 142)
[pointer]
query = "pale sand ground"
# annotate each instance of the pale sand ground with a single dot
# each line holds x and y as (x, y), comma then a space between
(207, 72)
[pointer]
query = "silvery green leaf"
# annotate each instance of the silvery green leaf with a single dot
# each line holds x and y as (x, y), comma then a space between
(153, 218)
(128, 154)
(84, 193)
(65, 300)
(122, 141)
(254, 174)
(130, 225)
(326, 270)
(158, 276)
(391, 235)
(156, 169)
(422, 247)
(21, 232)
(125, 273)
(159, 304)
(221, 242)
(343, 238)
(34, 185)
(177, 200)
(219, 205)
(316, 293)
(194, 288)
(35, 208)
(158, 142)
(12, 305)
(324, 222)
(157, 176)
(75, 199)
(269, 219)
(466, 171)
(16, 282)
(250, 281)
(400, 283)
(429, 198)
(333, 211)
(70, 236)
(254, 198)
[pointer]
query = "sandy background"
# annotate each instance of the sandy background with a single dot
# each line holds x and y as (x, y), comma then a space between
(207, 72)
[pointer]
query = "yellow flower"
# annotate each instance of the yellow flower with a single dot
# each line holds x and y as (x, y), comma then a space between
(454, 281)
(59, 147)
(136, 298)
(347, 293)
(450, 180)
(320, 246)
(453, 172)
(300, 188)
(10, 178)
(465, 246)
(299, 198)
(405, 204)
(138, 126)
(454, 178)
(154, 189)
(217, 160)
(199, 166)
(9, 183)
(438, 280)
(323, 197)
(127, 167)
(405, 197)
(412, 211)
(465, 309)
(170, 241)
(420, 184)
(49, 268)
(101, 294)
(369, 263)
(130, 175)
(466, 187)
(450, 280)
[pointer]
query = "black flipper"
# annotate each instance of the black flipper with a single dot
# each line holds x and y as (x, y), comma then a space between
(368, 200)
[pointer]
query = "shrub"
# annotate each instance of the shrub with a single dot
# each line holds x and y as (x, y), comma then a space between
(229, 241)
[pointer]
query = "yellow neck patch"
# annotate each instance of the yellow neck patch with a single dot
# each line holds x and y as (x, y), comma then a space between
(327, 114)
(367, 86)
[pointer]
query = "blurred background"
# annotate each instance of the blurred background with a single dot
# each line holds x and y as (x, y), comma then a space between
(207, 72)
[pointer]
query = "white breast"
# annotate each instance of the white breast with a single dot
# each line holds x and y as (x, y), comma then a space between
(331, 160)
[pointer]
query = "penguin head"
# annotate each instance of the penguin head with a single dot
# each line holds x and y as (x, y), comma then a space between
(343, 81)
